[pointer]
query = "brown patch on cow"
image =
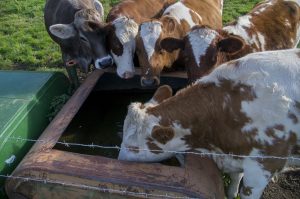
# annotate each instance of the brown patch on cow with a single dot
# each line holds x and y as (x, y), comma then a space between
(139, 10)
(195, 17)
(271, 130)
(153, 147)
(133, 149)
(279, 34)
(162, 134)
(298, 54)
(201, 110)
(113, 43)
(162, 93)
(293, 117)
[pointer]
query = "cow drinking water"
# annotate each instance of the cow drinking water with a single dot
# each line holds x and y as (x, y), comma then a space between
(176, 21)
(122, 24)
(249, 107)
(67, 23)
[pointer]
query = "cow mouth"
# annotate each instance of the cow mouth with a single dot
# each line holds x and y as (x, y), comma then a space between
(150, 81)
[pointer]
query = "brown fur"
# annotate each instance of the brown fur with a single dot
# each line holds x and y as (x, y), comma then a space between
(214, 125)
(139, 11)
(271, 23)
(162, 134)
(162, 93)
(153, 147)
(209, 10)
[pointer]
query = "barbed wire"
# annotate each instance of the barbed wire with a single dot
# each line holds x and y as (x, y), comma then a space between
(105, 190)
(202, 154)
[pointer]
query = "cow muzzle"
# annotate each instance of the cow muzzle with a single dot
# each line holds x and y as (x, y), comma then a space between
(150, 81)
(104, 62)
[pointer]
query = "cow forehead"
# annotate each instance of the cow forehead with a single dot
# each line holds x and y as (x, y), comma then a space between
(125, 29)
(200, 40)
(150, 33)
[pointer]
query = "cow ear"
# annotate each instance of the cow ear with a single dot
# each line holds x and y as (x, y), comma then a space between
(171, 44)
(162, 134)
(162, 93)
(99, 7)
(63, 31)
(231, 45)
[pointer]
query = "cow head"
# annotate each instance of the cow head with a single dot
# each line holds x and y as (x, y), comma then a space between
(152, 57)
(84, 44)
(144, 138)
(204, 49)
(121, 43)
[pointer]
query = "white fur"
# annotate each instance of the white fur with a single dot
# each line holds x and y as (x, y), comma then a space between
(200, 40)
(138, 126)
(150, 32)
(255, 177)
(243, 23)
(274, 78)
(126, 31)
(180, 12)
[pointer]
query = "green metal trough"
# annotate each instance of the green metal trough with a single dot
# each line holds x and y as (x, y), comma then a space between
(25, 99)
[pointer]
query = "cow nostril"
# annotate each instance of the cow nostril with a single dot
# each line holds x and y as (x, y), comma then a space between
(148, 81)
(104, 63)
(71, 63)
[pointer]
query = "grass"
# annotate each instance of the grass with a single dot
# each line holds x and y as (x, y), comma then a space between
(25, 44)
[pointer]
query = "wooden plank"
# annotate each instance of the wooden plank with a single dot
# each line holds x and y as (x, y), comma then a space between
(199, 178)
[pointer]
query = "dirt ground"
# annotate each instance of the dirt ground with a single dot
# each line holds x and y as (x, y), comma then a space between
(287, 186)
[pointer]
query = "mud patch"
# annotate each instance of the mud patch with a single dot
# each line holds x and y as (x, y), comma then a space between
(286, 187)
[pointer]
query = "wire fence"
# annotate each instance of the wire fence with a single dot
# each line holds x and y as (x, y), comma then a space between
(202, 154)
(124, 191)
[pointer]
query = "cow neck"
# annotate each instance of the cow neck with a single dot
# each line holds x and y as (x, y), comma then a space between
(188, 104)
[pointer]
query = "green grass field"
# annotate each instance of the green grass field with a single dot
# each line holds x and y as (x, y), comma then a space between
(25, 44)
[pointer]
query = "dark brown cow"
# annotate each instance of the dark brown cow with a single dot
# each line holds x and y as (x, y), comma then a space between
(66, 23)
(176, 21)
(270, 25)
(249, 107)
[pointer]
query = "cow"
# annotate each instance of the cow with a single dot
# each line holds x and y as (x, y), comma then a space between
(244, 112)
(270, 25)
(176, 21)
(122, 24)
(66, 22)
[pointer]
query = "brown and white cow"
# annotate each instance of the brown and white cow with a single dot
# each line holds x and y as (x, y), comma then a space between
(249, 107)
(67, 23)
(270, 25)
(176, 21)
(122, 24)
